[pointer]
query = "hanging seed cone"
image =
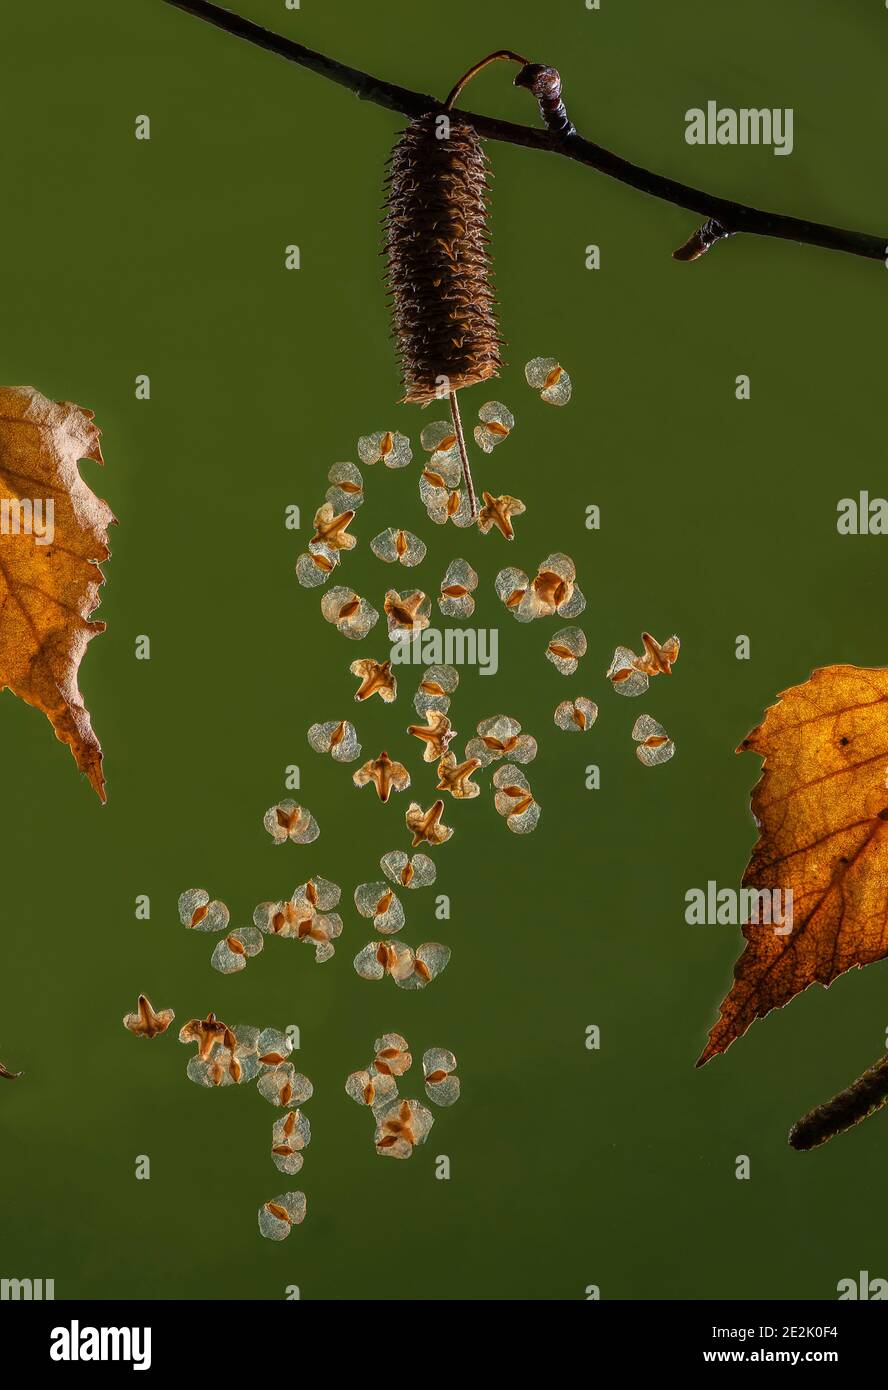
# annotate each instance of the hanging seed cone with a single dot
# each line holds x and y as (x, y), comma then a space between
(439, 275)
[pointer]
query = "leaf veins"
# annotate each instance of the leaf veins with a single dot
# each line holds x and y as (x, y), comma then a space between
(49, 590)
(821, 806)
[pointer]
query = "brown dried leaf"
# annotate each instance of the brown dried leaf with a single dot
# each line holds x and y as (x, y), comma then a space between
(821, 805)
(49, 591)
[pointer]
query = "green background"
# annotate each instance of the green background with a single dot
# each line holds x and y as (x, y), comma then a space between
(120, 257)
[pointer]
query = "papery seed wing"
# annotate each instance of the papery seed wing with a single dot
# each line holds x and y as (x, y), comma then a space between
(328, 893)
(444, 1092)
(272, 1043)
(293, 1129)
(346, 747)
(437, 1059)
(306, 830)
(523, 822)
(274, 826)
(359, 623)
(287, 1160)
(573, 606)
(367, 963)
(525, 749)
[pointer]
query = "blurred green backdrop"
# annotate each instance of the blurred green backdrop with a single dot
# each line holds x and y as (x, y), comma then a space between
(569, 1167)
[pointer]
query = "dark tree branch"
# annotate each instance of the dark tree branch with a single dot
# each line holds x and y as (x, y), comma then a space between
(730, 217)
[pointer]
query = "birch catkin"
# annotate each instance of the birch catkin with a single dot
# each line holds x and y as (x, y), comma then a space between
(439, 269)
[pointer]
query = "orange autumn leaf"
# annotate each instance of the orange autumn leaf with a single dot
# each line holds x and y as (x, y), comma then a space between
(53, 537)
(821, 806)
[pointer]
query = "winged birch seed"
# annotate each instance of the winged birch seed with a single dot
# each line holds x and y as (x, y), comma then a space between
(408, 871)
(435, 689)
(515, 800)
(287, 821)
(346, 490)
(654, 744)
(315, 567)
(385, 447)
(199, 913)
(398, 547)
(352, 615)
(497, 423)
(565, 650)
(337, 737)
(281, 1214)
(457, 588)
(377, 900)
(441, 1083)
(546, 375)
(576, 716)
(231, 954)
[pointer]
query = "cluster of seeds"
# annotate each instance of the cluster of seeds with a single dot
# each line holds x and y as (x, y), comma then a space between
(332, 519)
(631, 675)
(409, 968)
(238, 1056)
(235, 1056)
(402, 1124)
(307, 916)
(198, 912)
